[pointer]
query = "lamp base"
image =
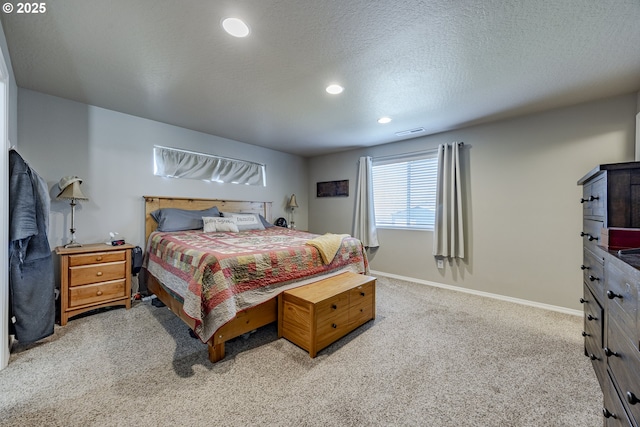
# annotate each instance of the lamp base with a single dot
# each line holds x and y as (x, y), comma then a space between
(73, 244)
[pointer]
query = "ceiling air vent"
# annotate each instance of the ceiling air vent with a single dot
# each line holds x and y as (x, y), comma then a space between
(409, 132)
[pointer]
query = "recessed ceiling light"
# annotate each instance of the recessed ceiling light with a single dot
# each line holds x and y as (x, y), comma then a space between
(384, 120)
(334, 89)
(235, 27)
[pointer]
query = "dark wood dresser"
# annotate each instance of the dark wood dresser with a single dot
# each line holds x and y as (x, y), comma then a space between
(611, 283)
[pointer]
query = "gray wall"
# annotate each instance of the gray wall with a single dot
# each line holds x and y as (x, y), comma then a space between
(524, 215)
(113, 153)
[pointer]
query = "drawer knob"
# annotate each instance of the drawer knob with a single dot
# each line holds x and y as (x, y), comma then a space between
(99, 273)
(612, 295)
(590, 317)
(584, 267)
(334, 326)
(593, 278)
(99, 293)
(631, 398)
(607, 414)
(609, 353)
(362, 294)
(582, 300)
(334, 306)
(593, 357)
(99, 258)
(584, 334)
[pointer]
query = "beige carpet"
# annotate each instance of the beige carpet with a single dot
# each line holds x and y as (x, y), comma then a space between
(432, 357)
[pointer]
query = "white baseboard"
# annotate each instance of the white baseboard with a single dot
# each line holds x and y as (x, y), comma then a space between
(481, 293)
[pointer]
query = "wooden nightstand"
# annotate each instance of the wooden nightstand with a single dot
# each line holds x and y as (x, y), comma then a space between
(93, 276)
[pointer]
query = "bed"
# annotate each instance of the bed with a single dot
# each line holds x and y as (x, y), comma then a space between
(225, 284)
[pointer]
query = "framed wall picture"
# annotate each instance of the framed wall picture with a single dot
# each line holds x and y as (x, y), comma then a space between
(333, 188)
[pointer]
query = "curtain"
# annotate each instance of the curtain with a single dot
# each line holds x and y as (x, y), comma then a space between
(174, 163)
(448, 233)
(364, 224)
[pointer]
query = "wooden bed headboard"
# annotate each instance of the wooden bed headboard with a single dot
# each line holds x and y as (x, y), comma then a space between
(151, 203)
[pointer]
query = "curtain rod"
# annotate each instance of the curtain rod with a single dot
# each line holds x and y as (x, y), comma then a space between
(410, 153)
(207, 155)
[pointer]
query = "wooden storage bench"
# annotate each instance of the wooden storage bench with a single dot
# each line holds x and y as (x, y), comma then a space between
(316, 315)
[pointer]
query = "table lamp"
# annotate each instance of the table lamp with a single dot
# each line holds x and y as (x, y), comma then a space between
(70, 189)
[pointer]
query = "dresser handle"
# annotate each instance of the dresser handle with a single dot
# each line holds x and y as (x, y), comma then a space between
(99, 273)
(593, 278)
(335, 307)
(607, 414)
(334, 326)
(593, 357)
(99, 293)
(590, 317)
(631, 398)
(612, 295)
(584, 334)
(584, 267)
(609, 353)
(99, 258)
(583, 301)
(589, 236)
(590, 199)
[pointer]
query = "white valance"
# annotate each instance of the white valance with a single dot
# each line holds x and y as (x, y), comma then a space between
(176, 163)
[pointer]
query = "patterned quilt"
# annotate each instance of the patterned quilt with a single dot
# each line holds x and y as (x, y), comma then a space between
(217, 275)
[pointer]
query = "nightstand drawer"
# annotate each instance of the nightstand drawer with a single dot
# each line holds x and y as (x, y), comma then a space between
(95, 258)
(96, 273)
(98, 292)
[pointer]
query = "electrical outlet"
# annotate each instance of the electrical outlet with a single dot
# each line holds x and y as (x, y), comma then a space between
(440, 263)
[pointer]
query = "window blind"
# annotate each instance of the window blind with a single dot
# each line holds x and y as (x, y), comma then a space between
(176, 163)
(404, 190)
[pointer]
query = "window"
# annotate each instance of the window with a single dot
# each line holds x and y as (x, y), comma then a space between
(404, 190)
(176, 163)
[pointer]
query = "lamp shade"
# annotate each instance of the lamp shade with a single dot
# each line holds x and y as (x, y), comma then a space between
(292, 201)
(70, 188)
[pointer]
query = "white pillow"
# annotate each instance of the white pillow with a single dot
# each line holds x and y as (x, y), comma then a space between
(245, 221)
(212, 224)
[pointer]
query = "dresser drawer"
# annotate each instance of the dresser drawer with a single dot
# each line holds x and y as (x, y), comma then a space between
(593, 272)
(624, 362)
(96, 257)
(613, 410)
(361, 313)
(333, 306)
(331, 329)
(622, 295)
(594, 201)
(591, 231)
(96, 273)
(96, 293)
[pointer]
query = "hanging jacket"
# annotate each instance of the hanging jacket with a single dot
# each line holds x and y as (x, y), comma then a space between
(31, 275)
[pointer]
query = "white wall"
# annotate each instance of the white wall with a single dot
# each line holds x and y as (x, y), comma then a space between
(9, 130)
(524, 215)
(113, 153)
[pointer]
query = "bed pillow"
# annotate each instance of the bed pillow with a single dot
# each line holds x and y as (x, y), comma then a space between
(264, 222)
(212, 224)
(173, 219)
(245, 221)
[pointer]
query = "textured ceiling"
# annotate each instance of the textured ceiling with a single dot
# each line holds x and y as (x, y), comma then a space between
(436, 64)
